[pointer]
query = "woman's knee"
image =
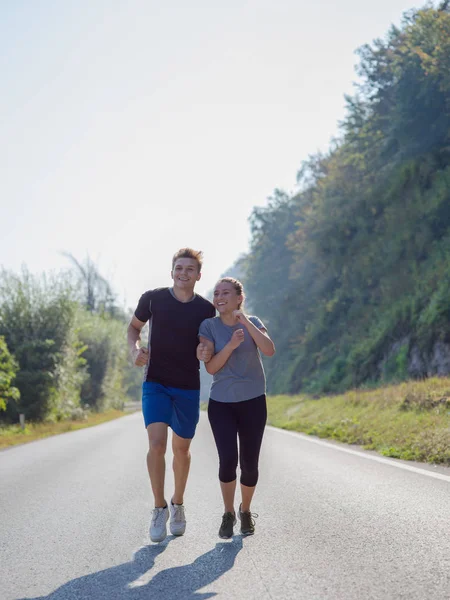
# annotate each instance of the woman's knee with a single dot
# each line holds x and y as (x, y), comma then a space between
(249, 477)
(227, 470)
(249, 470)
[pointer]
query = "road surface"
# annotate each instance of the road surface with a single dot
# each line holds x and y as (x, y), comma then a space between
(334, 523)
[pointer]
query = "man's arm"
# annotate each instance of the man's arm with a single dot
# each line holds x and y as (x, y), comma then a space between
(139, 355)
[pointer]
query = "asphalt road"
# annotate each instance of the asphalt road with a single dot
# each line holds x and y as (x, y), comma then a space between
(333, 524)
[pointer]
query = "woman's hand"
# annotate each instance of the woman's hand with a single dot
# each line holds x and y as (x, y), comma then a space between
(236, 339)
(260, 337)
(240, 317)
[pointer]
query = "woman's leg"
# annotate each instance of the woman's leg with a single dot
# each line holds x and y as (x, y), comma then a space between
(224, 427)
(228, 492)
(247, 496)
(251, 424)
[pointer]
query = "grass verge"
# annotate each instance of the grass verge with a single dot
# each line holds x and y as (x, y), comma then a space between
(13, 434)
(410, 421)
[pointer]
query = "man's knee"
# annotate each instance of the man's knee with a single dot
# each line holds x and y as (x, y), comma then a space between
(181, 448)
(181, 453)
(157, 447)
(157, 439)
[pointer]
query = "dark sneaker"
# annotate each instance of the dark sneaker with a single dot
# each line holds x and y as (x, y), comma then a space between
(247, 522)
(228, 522)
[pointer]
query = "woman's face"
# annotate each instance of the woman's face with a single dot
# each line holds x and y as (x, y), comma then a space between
(226, 299)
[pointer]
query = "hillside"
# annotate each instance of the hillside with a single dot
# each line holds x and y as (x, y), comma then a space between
(352, 274)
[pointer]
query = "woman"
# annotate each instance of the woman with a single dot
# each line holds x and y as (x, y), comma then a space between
(237, 405)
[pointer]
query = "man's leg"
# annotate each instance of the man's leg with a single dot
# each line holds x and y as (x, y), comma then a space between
(156, 463)
(181, 465)
(185, 417)
(157, 411)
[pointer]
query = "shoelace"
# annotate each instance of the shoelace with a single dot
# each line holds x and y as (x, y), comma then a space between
(178, 515)
(157, 514)
(250, 516)
(227, 517)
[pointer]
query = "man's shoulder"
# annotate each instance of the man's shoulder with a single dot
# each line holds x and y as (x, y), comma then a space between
(205, 302)
(155, 292)
(202, 299)
(150, 300)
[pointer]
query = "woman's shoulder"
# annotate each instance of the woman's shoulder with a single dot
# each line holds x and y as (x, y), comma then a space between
(210, 322)
(210, 328)
(256, 322)
(254, 319)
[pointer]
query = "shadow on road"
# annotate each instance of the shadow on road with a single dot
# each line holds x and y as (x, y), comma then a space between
(132, 580)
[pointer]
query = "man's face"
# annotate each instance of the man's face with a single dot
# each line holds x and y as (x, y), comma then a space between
(185, 273)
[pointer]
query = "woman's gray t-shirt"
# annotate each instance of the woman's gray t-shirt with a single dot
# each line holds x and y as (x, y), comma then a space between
(242, 376)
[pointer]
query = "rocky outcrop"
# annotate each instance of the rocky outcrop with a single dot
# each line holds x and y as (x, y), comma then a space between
(420, 364)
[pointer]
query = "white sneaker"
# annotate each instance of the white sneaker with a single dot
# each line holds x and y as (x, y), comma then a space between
(158, 527)
(177, 519)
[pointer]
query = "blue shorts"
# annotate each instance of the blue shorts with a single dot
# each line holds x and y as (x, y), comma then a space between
(180, 409)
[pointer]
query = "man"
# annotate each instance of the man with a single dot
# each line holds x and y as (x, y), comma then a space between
(171, 388)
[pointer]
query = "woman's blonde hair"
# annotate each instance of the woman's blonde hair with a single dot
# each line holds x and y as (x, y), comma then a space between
(237, 286)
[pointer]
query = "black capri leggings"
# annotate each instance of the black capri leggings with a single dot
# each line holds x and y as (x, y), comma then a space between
(246, 420)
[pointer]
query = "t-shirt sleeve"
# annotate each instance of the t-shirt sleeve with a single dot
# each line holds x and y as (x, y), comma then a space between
(143, 312)
(257, 322)
(205, 330)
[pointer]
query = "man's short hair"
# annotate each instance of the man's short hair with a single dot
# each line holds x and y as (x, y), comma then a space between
(189, 253)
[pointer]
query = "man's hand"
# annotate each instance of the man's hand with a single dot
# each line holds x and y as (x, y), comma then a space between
(204, 353)
(141, 356)
(236, 339)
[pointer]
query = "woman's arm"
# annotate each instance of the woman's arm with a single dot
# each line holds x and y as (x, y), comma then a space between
(260, 337)
(219, 359)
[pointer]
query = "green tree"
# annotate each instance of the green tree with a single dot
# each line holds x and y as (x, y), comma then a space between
(94, 291)
(356, 264)
(36, 317)
(106, 358)
(8, 370)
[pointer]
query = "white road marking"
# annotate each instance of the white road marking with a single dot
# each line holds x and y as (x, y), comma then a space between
(362, 454)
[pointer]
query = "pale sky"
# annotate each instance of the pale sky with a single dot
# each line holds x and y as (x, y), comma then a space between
(132, 128)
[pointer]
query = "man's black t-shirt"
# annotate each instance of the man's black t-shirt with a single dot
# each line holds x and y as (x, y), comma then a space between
(173, 336)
